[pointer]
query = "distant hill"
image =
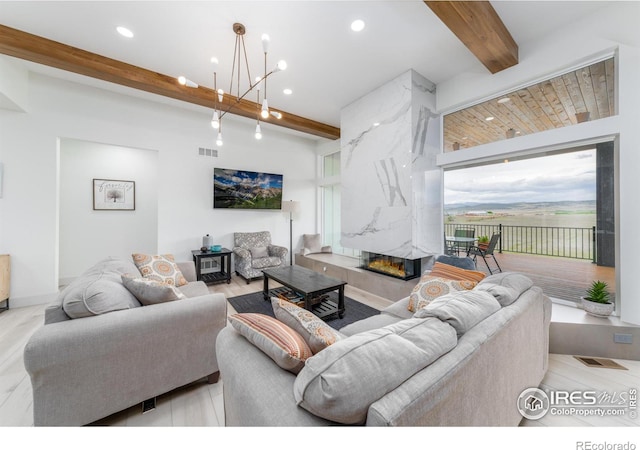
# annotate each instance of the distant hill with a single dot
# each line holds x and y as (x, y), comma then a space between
(574, 207)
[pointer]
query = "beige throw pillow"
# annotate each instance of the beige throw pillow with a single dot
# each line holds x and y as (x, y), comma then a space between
(314, 331)
(162, 268)
(151, 292)
(430, 288)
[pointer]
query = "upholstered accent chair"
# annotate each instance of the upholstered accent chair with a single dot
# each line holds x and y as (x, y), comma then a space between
(254, 252)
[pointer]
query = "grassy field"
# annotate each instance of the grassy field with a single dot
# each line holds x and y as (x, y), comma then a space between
(568, 220)
(568, 214)
(543, 229)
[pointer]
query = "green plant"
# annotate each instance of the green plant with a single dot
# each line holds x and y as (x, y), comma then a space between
(483, 239)
(598, 292)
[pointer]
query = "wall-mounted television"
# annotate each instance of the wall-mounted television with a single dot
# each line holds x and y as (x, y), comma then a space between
(243, 189)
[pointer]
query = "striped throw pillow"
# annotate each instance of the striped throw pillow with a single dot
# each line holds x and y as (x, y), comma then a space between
(277, 340)
(455, 273)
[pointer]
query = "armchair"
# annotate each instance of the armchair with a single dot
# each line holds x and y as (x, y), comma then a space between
(254, 252)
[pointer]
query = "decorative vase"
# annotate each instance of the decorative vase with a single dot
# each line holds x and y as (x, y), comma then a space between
(597, 309)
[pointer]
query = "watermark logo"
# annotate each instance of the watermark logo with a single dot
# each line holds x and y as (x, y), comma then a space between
(534, 403)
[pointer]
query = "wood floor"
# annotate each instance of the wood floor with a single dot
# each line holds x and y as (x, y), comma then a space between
(562, 278)
(201, 405)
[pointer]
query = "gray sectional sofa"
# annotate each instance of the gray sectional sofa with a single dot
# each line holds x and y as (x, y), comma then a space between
(476, 381)
(106, 360)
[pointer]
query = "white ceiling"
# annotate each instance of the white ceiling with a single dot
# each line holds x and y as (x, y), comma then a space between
(329, 66)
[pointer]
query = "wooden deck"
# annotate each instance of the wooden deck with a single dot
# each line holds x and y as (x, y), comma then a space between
(562, 278)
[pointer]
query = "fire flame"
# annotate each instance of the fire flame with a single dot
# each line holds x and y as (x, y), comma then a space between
(383, 265)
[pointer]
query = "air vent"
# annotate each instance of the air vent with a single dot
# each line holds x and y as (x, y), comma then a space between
(212, 153)
(148, 405)
(599, 362)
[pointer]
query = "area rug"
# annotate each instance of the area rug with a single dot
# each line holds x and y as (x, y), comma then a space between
(256, 303)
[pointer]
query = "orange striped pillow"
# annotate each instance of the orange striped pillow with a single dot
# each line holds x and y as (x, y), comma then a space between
(277, 340)
(455, 273)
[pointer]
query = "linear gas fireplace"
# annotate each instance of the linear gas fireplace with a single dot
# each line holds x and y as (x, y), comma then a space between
(404, 269)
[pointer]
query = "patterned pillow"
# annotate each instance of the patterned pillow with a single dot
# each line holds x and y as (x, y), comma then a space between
(455, 273)
(317, 334)
(430, 288)
(150, 292)
(160, 268)
(277, 340)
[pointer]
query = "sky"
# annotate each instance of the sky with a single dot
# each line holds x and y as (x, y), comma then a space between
(569, 176)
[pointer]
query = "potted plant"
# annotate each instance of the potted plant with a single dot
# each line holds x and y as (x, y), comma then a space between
(483, 242)
(596, 301)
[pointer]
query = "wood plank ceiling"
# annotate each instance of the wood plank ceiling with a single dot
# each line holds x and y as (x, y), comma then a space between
(550, 104)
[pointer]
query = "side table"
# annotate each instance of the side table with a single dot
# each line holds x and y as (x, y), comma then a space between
(213, 277)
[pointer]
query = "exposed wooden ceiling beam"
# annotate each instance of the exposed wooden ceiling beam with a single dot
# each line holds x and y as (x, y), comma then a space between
(480, 28)
(55, 54)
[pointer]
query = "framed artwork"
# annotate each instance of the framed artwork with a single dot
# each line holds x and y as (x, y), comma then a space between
(114, 195)
(243, 189)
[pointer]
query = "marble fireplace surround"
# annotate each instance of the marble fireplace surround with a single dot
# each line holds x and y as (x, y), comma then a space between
(391, 187)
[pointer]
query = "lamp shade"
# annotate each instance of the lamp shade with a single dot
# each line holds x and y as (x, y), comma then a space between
(290, 206)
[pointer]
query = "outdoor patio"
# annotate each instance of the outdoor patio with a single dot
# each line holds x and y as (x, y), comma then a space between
(562, 278)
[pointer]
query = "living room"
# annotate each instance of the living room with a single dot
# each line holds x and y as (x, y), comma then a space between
(58, 132)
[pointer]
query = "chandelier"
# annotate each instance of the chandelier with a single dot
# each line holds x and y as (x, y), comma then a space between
(240, 54)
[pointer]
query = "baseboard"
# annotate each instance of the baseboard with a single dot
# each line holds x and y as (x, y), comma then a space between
(20, 302)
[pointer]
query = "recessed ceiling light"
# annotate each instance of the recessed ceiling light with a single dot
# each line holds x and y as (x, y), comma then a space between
(376, 124)
(287, 91)
(357, 25)
(504, 100)
(489, 119)
(125, 32)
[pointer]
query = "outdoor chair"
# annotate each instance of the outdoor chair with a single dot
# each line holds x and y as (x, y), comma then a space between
(463, 246)
(449, 248)
(484, 253)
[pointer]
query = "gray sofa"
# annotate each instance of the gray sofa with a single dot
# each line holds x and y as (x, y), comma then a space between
(476, 383)
(87, 368)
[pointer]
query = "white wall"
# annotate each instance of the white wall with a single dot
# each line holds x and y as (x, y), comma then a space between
(86, 235)
(609, 30)
(64, 110)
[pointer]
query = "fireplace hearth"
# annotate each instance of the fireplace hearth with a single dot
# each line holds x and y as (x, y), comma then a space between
(393, 266)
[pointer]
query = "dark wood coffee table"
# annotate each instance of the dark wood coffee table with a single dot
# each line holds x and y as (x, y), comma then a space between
(310, 285)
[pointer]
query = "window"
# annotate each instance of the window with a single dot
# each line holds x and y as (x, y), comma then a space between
(330, 188)
(577, 96)
(554, 213)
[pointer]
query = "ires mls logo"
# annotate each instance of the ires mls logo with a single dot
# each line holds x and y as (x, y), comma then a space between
(534, 403)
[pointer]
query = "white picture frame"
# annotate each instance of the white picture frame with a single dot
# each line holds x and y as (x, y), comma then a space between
(114, 195)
